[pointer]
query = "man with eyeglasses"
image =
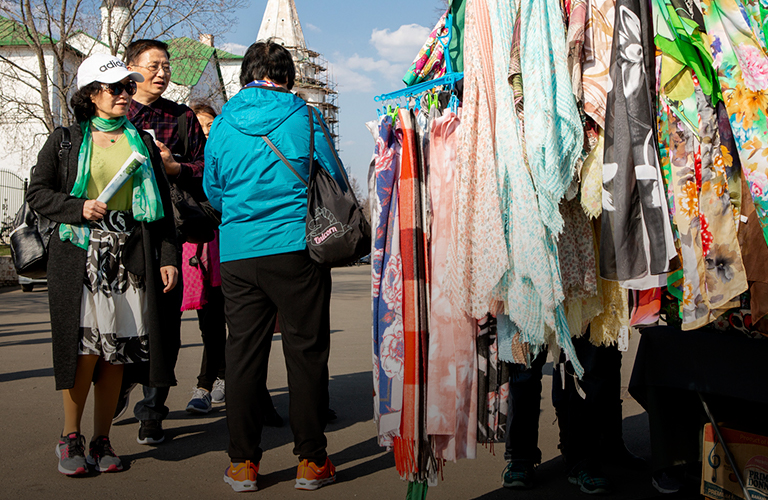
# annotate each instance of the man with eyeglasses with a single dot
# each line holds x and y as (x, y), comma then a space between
(183, 158)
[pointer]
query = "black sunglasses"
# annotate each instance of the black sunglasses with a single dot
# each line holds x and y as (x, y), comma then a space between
(118, 87)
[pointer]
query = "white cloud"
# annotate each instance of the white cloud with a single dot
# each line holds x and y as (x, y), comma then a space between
(348, 79)
(234, 48)
(401, 45)
(360, 74)
(312, 27)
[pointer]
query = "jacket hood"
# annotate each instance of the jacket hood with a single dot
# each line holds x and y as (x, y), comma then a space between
(260, 110)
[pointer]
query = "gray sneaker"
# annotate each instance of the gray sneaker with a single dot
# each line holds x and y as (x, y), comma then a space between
(71, 453)
(102, 457)
(200, 402)
(217, 394)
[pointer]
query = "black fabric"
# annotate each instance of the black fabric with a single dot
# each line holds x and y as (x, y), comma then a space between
(672, 365)
(213, 329)
(152, 406)
(704, 360)
(255, 290)
(589, 425)
(49, 195)
(522, 439)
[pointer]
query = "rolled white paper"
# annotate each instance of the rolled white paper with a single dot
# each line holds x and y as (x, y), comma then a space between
(130, 166)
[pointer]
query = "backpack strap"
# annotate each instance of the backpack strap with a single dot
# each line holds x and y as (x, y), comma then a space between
(64, 148)
(332, 148)
(311, 151)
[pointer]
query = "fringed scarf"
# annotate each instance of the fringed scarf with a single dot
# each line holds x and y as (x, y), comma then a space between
(413, 455)
(531, 191)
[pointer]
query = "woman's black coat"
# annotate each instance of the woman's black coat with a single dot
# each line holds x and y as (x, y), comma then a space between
(66, 262)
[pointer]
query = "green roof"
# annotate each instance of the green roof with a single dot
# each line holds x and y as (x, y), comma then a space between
(13, 33)
(189, 59)
(223, 54)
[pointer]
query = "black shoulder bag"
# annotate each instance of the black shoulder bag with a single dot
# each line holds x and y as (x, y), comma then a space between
(337, 232)
(32, 232)
(195, 218)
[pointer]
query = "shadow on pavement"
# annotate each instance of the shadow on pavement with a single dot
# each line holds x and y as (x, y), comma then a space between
(13, 376)
(378, 460)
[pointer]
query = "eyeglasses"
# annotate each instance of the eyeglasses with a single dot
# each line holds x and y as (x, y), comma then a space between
(117, 88)
(155, 68)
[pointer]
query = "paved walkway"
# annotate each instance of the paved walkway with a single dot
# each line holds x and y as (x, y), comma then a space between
(190, 464)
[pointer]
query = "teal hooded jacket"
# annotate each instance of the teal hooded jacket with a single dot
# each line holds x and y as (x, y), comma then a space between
(263, 204)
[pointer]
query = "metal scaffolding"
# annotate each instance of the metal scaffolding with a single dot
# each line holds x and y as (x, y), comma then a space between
(316, 85)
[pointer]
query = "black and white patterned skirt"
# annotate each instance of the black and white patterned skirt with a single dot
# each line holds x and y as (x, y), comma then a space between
(114, 301)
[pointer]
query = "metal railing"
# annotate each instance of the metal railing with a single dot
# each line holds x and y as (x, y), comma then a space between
(12, 191)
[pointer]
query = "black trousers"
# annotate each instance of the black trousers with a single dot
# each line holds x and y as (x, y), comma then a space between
(522, 439)
(152, 406)
(587, 426)
(592, 424)
(213, 329)
(255, 290)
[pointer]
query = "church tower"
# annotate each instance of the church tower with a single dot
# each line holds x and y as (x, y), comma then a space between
(313, 82)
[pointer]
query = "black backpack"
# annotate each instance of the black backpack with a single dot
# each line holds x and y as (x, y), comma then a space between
(337, 231)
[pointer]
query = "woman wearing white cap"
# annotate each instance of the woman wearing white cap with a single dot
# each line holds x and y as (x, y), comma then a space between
(107, 261)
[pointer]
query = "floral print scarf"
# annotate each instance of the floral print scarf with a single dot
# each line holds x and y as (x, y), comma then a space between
(742, 68)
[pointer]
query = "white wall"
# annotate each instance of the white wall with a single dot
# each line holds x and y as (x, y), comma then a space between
(230, 73)
(22, 130)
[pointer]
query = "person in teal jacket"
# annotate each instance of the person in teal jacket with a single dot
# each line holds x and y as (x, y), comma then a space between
(265, 266)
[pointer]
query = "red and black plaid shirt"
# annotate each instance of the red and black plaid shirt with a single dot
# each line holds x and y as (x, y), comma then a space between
(162, 117)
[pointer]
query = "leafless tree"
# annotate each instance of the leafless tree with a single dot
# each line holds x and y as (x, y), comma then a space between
(361, 195)
(44, 31)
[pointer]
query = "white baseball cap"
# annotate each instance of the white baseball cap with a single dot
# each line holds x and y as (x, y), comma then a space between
(104, 68)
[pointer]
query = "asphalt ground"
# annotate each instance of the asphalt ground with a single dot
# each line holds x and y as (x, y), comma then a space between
(191, 462)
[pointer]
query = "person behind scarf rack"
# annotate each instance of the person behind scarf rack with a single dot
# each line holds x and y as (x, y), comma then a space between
(108, 262)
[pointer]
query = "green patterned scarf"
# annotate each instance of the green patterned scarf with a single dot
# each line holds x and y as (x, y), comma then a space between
(146, 203)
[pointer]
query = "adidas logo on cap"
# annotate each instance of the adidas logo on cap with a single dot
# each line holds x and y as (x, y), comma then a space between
(115, 63)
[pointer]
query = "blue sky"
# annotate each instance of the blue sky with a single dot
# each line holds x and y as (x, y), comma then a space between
(369, 45)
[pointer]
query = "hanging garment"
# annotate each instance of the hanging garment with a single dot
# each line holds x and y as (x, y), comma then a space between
(592, 179)
(492, 385)
(577, 21)
(452, 366)
(412, 447)
(598, 40)
(713, 273)
(742, 69)
(477, 255)
(755, 255)
(530, 194)
(387, 288)
(637, 237)
(430, 62)
(644, 307)
(757, 10)
(578, 267)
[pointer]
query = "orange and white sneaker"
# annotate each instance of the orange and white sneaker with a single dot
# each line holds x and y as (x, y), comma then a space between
(241, 476)
(311, 477)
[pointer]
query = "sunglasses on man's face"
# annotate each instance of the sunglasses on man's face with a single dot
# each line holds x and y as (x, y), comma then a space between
(118, 87)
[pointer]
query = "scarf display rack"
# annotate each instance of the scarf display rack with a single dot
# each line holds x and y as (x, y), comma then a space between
(630, 186)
